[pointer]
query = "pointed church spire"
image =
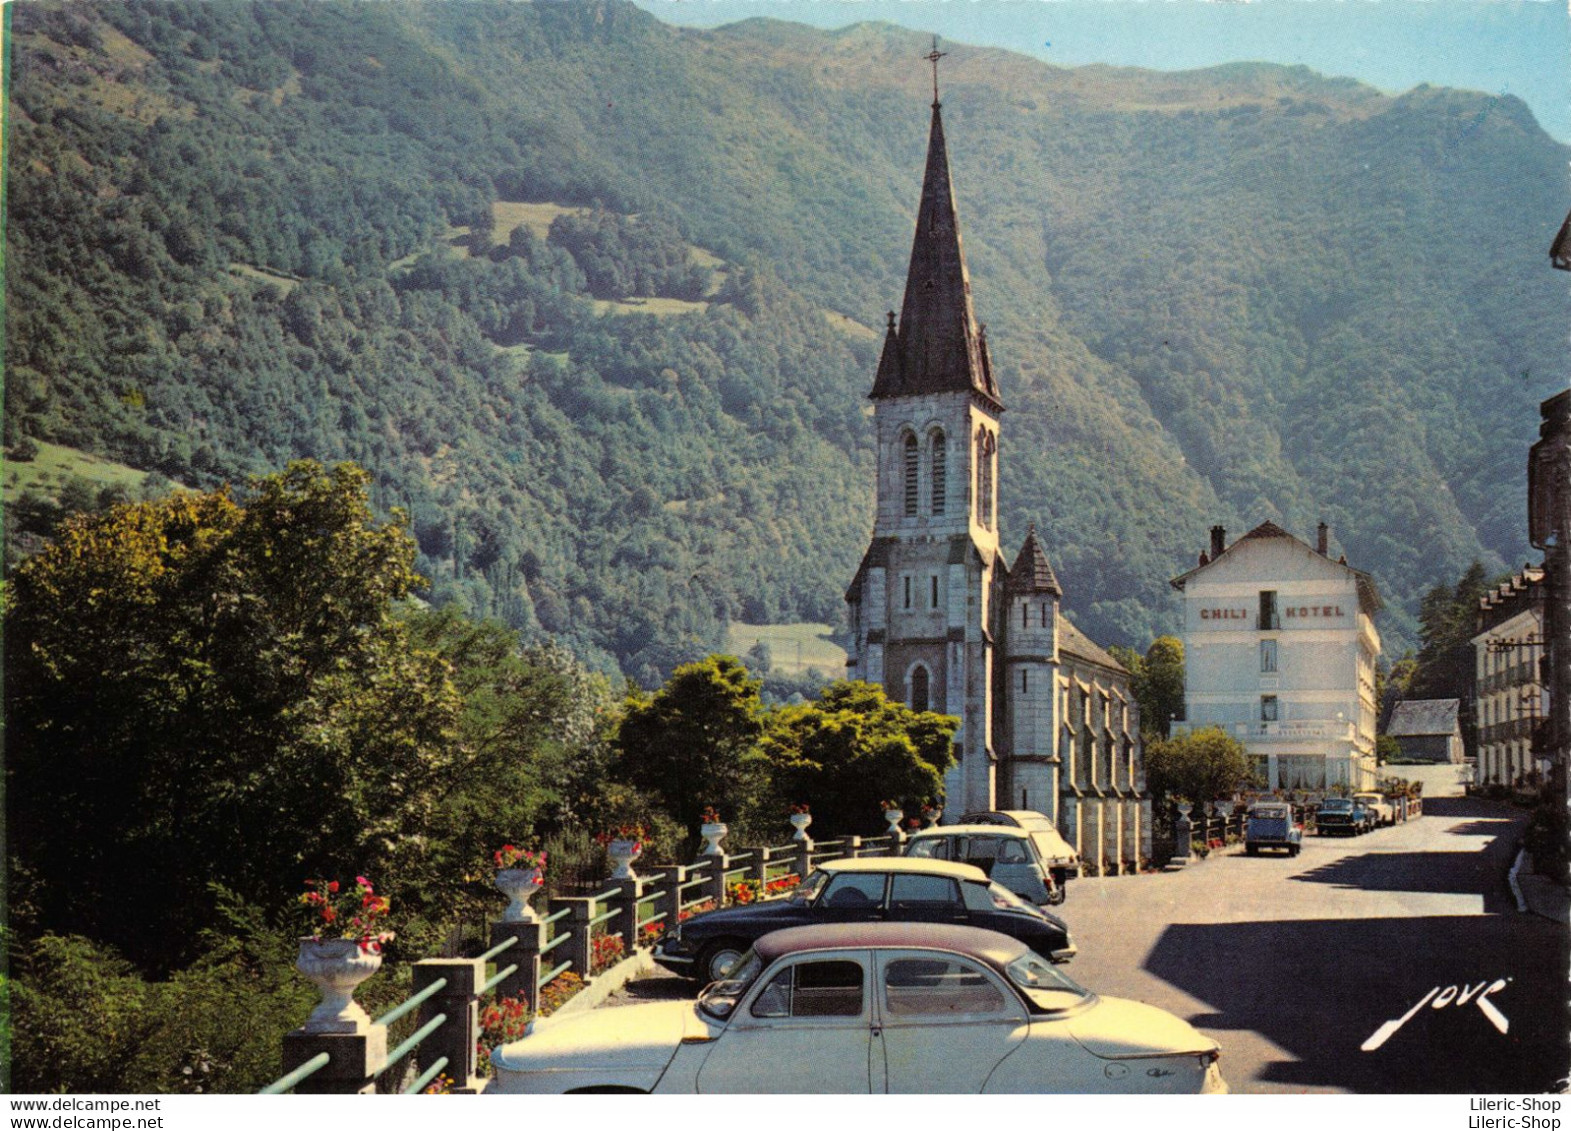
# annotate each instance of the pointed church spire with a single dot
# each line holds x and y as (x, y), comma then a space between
(1032, 572)
(939, 347)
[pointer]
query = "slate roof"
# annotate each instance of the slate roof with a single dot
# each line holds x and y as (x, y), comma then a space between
(1078, 644)
(1423, 716)
(1369, 596)
(1032, 573)
(938, 346)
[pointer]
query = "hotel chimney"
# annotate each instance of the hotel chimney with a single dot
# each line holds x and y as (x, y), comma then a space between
(1218, 537)
(1322, 540)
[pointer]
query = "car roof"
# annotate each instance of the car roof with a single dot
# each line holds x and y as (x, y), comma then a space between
(983, 830)
(997, 950)
(905, 864)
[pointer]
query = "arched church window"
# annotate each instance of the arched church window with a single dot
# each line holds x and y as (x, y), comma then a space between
(919, 688)
(912, 488)
(986, 446)
(940, 472)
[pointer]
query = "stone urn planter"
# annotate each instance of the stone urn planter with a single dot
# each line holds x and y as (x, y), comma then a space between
(713, 833)
(622, 854)
(800, 822)
(335, 967)
(931, 817)
(518, 884)
(894, 817)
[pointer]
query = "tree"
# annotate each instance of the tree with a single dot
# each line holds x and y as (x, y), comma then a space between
(695, 741)
(212, 689)
(1157, 679)
(852, 748)
(1200, 766)
(1448, 619)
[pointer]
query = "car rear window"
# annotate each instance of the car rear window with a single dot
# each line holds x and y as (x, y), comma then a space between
(917, 892)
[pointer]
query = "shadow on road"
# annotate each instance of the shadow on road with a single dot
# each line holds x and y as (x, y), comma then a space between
(1456, 872)
(1365, 972)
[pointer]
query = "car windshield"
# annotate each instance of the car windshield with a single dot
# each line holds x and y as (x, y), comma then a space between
(1043, 984)
(720, 998)
(1336, 803)
(808, 888)
(1006, 900)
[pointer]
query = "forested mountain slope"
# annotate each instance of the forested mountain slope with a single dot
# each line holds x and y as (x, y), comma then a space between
(239, 234)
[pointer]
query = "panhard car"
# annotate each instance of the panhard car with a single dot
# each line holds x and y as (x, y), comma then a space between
(866, 890)
(871, 1007)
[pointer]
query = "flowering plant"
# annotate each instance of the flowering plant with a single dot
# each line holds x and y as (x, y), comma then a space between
(887, 806)
(634, 833)
(555, 993)
(797, 809)
(505, 1019)
(710, 815)
(442, 1085)
(358, 913)
(511, 856)
(928, 809)
(605, 951)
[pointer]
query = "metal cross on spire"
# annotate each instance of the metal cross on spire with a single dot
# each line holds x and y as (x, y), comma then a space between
(933, 57)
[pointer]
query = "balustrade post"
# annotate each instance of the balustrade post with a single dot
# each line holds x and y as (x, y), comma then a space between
(804, 858)
(459, 1000)
(758, 870)
(578, 950)
(523, 983)
(625, 904)
(716, 877)
(853, 847)
(355, 1060)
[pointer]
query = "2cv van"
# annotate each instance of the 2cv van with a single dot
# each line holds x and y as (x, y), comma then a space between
(1027, 856)
(1270, 825)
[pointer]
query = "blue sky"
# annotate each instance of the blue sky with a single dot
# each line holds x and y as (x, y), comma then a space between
(1520, 47)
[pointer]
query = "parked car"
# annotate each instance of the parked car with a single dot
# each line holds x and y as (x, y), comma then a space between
(1019, 849)
(1381, 810)
(1270, 824)
(897, 888)
(1341, 815)
(871, 1007)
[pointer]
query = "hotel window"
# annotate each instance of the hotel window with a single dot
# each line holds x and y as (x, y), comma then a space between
(906, 578)
(1268, 656)
(1268, 711)
(932, 591)
(911, 468)
(1025, 681)
(1268, 617)
(919, 688)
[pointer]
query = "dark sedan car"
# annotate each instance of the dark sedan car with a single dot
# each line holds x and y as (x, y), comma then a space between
(899, 889)
(1342, 815)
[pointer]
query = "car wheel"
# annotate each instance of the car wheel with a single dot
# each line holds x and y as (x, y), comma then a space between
(1292, 850)
(1252, 849)
(718, 957)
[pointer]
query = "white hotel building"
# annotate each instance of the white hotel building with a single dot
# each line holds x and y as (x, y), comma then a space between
(1279, 651)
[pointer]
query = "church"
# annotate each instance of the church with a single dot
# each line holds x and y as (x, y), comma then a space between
(941, 620)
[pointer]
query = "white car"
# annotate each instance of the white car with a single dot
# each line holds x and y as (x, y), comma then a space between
(1379, 808)
(871, 1007)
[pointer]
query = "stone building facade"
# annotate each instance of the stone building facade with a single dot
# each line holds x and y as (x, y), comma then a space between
(938, 616)
(1508, 680)
(1279, 650)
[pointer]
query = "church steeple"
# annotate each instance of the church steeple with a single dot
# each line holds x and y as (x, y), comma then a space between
(938, 346)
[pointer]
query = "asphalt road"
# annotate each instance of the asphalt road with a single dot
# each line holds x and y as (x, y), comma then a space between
(1293, 963)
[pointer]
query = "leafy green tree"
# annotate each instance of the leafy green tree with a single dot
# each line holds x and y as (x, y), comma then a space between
(1203, 765)
(214, 689)
(695, 741)
(1157, 679)
(853, 747)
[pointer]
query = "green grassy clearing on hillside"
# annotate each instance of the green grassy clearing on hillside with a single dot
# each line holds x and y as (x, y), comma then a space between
(793, 647)
(56, 465)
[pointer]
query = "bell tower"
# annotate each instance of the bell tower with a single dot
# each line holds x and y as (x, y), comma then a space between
(925, 603)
